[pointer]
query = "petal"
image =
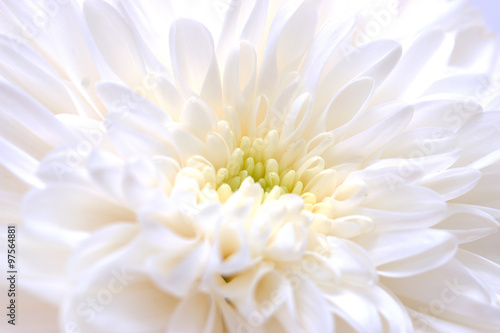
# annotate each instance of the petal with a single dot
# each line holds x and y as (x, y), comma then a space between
(312, 309)
(323, 184)
(288, 244)
(26, 69)
(240, 74)
(296, 37)
(33, 115)
(418, 68)
(450, 292)
(420, 142)
(177, 272)
(96, 251)
(349, 102)
(474, 49)
(416, 207)
(485, 193)
(130, 142)
(326, 40)
(361, 146)
(198, 118)
(375, 59)
(255, 25)
(352, 262)
(43, 262)
(449, 114)
(118, 299)
(233, 248)
(217, 150)
(19, 163)
(461, 85)
(487, 270)
(487, 247)
(197, 313)
(467, 223)
(406, 253)
(479, 136)
(193, 61)
(118, 96)
(186, 144)
(356, 309)
(116, 42)
(106, 171)
(453, 183)
(71, 207)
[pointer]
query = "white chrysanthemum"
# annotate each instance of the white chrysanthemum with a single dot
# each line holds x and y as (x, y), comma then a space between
(251, 166)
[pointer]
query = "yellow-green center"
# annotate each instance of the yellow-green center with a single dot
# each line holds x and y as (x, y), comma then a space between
(248, 160)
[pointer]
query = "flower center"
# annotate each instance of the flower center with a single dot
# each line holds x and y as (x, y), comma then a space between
(253, 161)
(260, 161)
(248, 160)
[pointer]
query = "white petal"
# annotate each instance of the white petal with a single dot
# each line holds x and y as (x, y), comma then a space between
(485, 193)
(352, 262)
(177, 272)
(487, 247)
(474, 49)
(296, 37)
(361, 146)
(323, 184)
(406, 253)
(255, 24)
(40, 315)
(479, 136)
(487, 270)
(418, 68)
(350, 101)
(462, 298)
(417, 207)
(443, 113)
(117, 96)
(193, 61)
(356, 309)
(19, 163)
(467, 223)
(420, 142)
(186, 144)
(73, 53)
(453, 182)
(10, 204)
(96, 251)
(197, 313)
(28, 71)
(32, 115)
(463, 85)
(325, 41)
(129, 142)
(152, 20)
(240, 74)
(116, 42)
(165, 222)
(198, 118)
(288, 243)
(44, 263)
(376, 60)
(269, 73)
(123, 300)
(312, 309)
(233, 250)
(73, 208)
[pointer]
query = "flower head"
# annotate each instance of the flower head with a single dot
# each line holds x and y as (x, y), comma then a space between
(252, 166)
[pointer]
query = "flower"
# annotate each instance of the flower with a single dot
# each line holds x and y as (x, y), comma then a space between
(244, 166)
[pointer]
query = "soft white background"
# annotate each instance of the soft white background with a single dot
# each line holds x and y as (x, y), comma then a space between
(491, 9)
